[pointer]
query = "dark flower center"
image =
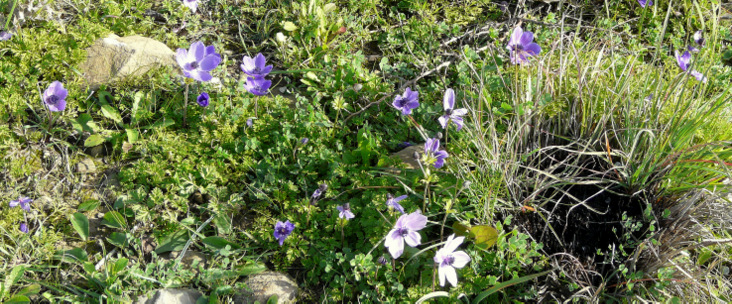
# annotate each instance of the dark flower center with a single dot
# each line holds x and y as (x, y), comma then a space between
(518, 47)
(52, 100)
(283, 231)
(448, 260)
(402, 232)
(401, 102)
(448, 112)
(193, 65)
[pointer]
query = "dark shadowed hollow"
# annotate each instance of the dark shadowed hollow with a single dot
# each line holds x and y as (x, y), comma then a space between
(585, 214)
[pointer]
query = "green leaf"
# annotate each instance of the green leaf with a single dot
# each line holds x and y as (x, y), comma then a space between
(173, 242)
(18, 299)
(160, 124)
(118, 239)
(81, 224)
(273, 300)
(460, 230)
(94, 140)
(223, 224)
(11, 279)
(132, 135)
(508, 283)
(30, 290)
(114, 219)
(111, 113)
(250, 269)
(219, 242)
(72, 255)
(119, 265)
(289, 26)
(84, 123)
(485, 236)
(89, 205)
(432, 295)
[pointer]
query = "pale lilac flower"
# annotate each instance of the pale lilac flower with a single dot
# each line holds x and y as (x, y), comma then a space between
(5, 35)
(393, 202)
(382, 260)
(283, 230)
(203, 99)
(683, 61)
(192, 4)
(250, 122)
(451, 114)
(23, 202)
(699, 39)
(345, 211)
(257, 85)
(318, 193)
(645, 3)
(304, 140)
(407, 101)
(198, 61)
(24, 227)
(521, 46)
(448, 259)
(692, 49)
(405, 230)
(432, 153)
(55, 97)
(255, 66)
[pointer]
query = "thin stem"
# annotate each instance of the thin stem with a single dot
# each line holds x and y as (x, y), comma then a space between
(185, 104)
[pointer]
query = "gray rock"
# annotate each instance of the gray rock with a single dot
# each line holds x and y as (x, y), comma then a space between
(260, 287)
(407, 155)
(114, 58)
(86, 165)
(171, 296)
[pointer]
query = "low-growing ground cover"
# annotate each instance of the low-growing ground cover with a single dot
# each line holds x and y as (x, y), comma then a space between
(556, 151)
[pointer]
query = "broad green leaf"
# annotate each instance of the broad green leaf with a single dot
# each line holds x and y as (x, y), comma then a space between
(84, 123)
(223, 224)
(508, 283)
(114, 219)
(94, 140)
(72, 255)
(18, 299)
(11, 279)
(160, 124)
(289, 26)
(460, 230)
(132, 135)
(111, 113)
(30, 290)
(219, 242)
(118, 239)
(250, 269)
(485, 236)
(89, 205)
(81, 224)
(119, 265)
(173, 242)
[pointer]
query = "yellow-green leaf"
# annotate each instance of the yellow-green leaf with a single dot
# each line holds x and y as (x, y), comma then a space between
(485, 236)
(289, 26)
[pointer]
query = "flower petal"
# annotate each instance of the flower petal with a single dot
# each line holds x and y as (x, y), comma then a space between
(396, 248)
(209, 63)
(260, 61)
(516, 36)
(527, 38)
(458, 121)
(441, 274)
(460, 259)
(58, 107)
(533, 49)
(181, 55)
(449, 273)
(448, 101)
(413, 239)
(698, 76)
(443, 121)
(452, 243)
(200, 75)
(196, 51)
(415, 221)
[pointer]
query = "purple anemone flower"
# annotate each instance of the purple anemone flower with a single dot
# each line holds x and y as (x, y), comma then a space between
(407, 101)
(521, 46)
(55, 97)
(405, 230)
(23, 202)
(283, 230)
(393, 202)
(192, 4)
(257, 85)
(382, 260)
(318, 193)
(198, 61)
(304, 140)
(203, 99)
(250, 123)
(345, 211)
(683, 61)
(24, 227)
(433, 154)
(5, 35)
(451, 114)
(699, 39)
(448, 259)
(255, 66)
(645, 3)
